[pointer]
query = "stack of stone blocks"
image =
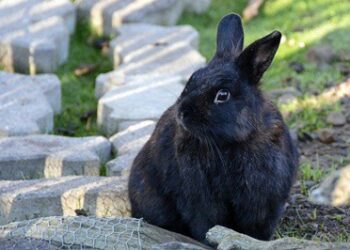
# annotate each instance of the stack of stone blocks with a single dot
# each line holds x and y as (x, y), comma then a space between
(45, 175)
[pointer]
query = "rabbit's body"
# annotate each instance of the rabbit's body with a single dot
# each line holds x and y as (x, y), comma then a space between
(230, 163)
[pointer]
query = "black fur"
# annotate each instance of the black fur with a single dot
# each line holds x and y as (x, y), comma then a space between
(231, 163)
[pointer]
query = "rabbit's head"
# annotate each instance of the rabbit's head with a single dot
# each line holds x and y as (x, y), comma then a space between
(223, 99)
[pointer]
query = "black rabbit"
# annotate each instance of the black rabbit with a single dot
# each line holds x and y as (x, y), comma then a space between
(222, 153)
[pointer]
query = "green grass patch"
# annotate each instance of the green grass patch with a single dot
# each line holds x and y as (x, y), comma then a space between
(309, 113)
(103, 170)
(307, 172)
(78, 99)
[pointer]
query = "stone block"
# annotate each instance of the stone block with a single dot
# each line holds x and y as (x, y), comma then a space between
(144, 98)
(106, 15)
(92, 195)
(28, 103)
(34, 34)
(39, 156)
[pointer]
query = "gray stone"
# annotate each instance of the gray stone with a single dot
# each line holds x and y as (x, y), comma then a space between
(144, 98)
(132, 46)
(62, 8)
(321, 55)
(20, 13)
(38, 156)
(196, 6)
(105, 15)
(126, 144)
(41, 47)
(132, 138)
(155, 51)
(34, 34)
(25, 243)
(176, 245)
(326, 135)
(336, 119)
(28, 199)
(334, 190)
(121, 165)
(28, 103)
(227, 239)
(182, 62)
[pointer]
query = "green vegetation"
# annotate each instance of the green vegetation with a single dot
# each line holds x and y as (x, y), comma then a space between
(78, 116)
(307, 172)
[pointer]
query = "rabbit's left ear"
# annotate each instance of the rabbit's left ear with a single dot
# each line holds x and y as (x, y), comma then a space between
(230, 36)
(257, 57)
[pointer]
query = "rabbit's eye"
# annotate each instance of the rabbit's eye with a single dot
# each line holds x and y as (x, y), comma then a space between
(223, 95)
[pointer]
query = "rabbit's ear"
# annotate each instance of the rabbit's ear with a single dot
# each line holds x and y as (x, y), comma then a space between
(229, 39)
(257, 57)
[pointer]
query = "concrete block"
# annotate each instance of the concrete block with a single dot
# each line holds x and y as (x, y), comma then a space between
(39, 156)
(28, 103)
(132, 46)
(28, 199)
(132, 138)
(34, 34)
(106, 15)
(145, 98)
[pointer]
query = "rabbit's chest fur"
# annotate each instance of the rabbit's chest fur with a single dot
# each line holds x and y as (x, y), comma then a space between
(239, 181)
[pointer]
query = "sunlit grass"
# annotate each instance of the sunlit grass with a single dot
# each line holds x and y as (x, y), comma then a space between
(308, 172)
(309, 112)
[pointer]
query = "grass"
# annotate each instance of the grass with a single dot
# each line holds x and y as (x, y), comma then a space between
(78, 116)
(307, 172)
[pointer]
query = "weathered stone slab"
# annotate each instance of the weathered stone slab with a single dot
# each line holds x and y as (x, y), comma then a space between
(105, 15)
(126, 145)
(144, 98)
(228, 239)
(157, 51)
(38, 156)
(62, 8)
(28, 103)
(334, 190)
(34, 34)
(181, 60)
(20, 13)
(196, 6)
(28, 199)
(132, 138)
(132, 46)
(121, 165)
(40, 47)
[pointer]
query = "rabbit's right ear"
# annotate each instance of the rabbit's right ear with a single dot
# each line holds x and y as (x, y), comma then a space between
(230, 36)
